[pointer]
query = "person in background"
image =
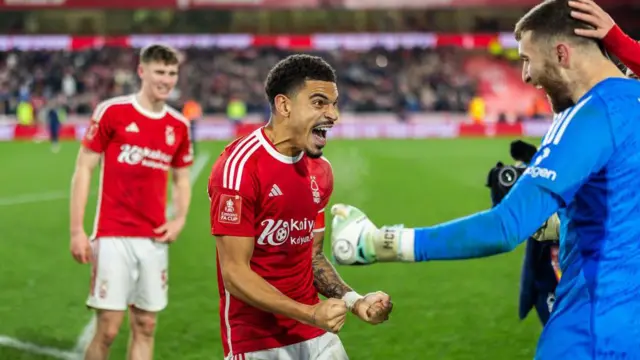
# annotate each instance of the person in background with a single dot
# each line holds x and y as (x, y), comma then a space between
(236, 109)
(55, 116)
(24, 111)
(477, 111)
(192, 111)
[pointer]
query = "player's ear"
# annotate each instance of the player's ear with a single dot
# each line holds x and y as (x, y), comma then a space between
(282, 105)
(140, 70)
(562, 54)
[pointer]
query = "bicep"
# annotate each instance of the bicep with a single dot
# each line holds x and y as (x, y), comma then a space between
(181, 175)
(318, 232)
(87, 159)
(525, 208)
(318, 242)
(234, 251)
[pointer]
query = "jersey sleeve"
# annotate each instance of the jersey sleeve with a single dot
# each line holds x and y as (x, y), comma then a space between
(578, 144)
(100, 130)
(184, 154)
(233, 204)
(327, 180)
(624, 48)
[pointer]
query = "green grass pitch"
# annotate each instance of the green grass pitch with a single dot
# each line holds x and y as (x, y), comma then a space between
(443, 310)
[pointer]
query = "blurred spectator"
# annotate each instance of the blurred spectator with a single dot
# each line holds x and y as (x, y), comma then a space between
(192, 111)
(400, 81)
(477, 111)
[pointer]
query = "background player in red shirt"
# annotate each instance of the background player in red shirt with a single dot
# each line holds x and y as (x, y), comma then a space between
(268, 192)
(137, 139)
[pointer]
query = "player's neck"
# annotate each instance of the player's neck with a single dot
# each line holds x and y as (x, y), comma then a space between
(281, 139)
(149, 103)
(604, 70)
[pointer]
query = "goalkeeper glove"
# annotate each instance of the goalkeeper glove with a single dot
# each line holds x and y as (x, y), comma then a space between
(355, 240)
(550, 230)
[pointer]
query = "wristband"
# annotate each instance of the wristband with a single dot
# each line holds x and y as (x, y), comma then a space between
(351, 298)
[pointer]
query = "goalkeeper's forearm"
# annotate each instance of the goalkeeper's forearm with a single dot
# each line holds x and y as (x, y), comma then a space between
(487, 233)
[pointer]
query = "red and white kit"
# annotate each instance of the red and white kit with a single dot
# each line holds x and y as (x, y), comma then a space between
(138, 148)
(279, 200)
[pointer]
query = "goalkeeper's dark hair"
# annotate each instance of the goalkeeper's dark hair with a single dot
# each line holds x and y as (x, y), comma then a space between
(289, 75)
(550, 19)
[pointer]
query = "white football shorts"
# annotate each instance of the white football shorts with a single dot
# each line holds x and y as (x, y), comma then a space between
(324, 347)
(129, 271)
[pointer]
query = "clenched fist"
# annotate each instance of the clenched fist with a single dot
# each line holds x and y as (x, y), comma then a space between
(374, 308)
(330, 315)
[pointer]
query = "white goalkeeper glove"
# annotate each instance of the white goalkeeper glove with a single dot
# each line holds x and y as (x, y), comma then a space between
(550, 230)
(355, 240)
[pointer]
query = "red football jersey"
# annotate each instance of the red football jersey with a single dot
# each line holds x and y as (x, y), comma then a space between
(138, 148)
(257, 192)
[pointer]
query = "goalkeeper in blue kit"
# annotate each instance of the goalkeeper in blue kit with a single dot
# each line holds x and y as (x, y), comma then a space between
(587, 169)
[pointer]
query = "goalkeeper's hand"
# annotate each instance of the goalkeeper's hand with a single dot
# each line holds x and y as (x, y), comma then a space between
(550, 230)
(355, 240)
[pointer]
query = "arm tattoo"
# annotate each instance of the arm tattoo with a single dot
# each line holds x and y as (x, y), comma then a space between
(325, 277)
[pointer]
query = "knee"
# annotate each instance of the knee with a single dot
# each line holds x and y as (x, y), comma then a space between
(107, 334)
(143, 325)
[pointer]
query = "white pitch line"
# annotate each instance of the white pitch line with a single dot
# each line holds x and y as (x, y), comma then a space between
(36, 198)
(87, 333)
(33, 198)
(38, 349)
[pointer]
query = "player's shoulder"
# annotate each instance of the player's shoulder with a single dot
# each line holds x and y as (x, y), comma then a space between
(236, 167)
(617, 95)
(589, 109)
(109, 105)
(243, 148)
(618, 100)
(175, 116)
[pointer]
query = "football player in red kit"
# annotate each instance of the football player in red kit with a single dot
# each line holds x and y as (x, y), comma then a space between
(137, 139)
(268, 193)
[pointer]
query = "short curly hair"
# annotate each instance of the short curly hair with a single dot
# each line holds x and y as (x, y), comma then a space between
(290, 74)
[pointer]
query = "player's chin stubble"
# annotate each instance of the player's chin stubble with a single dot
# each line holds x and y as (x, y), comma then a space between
(314, 154)
(557, 92)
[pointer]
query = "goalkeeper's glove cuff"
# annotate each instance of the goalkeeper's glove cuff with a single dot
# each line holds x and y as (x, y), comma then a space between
(394, 243)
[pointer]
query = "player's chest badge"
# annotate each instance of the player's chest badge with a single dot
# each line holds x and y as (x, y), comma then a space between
(315, 190)
(170, 135)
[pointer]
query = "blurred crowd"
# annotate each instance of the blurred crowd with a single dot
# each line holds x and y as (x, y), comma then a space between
(391, 81)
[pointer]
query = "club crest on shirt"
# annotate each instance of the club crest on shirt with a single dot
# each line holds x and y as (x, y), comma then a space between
(315, 190)
(170, 135)
(230, 209)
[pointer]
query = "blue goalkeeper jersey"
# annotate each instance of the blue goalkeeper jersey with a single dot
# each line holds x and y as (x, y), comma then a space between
(590, 160)
(588, 170)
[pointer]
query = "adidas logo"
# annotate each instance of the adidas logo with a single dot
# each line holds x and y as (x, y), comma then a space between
(275, 191)
(132, 128)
